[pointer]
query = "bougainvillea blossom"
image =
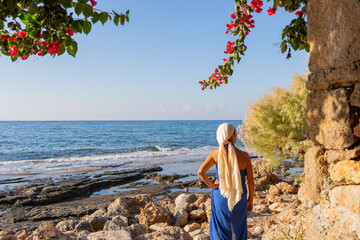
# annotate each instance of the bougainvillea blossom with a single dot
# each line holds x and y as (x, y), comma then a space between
(93, 3)
(69, 32)
(13, 50)
(21, 34)
(5, 37)
(271, 11)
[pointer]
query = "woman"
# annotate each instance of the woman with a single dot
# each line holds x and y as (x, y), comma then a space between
(229, 203)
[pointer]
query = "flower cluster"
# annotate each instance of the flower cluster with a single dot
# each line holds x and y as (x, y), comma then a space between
(256, 4)
(217, 77)
(229, 47)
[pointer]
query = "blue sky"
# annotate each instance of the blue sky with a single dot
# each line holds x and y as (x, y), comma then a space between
(149, 69)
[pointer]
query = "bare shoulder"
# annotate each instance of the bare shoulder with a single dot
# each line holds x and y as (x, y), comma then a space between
(244, 158)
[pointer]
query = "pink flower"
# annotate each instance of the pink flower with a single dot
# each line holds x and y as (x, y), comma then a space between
(21, 34)
(233, 16)
(271, 11)
(23, 58)
(54, 48)
(93, 3)
(13, 51)
(40, 52)
(298, 13)
(5, 37)
(70, 32)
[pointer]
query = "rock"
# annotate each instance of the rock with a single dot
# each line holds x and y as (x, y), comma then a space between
(192, 227)
(67, 225)
(347, 171)
(258, 230)
(118, 222)
(272, 199)
(276, 206)
(357, 130)
(205, 226)
(273, 190)
(110, 235)
(46, 230)
(196, 232)
(330, 120)
(201, 199)
(347, 197)
(134, 219)
(316, 169)
(334, 156)
(180, 218)
(201, 237)
(158, 226)
(286, 188)
(7, 236)
(20, 235)
(260, 208)
(137, 229)
(97, 222)
(208, 209)
(355, 96)
(196, 214)
(153, 213)
(168, 201)
(83, 226)
(169, 233)
(99, 213)
(183, 200)
(129, 206)
(83, 234)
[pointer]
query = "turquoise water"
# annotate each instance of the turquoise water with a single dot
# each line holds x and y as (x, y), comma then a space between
(48, 148)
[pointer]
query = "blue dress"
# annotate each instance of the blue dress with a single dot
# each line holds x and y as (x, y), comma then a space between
(226, 225)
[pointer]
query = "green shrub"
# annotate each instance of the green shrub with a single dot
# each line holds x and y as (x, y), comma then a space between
(275, 127)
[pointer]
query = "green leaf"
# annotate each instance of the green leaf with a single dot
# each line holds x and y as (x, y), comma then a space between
(116, 20)
(88, 10)
(122, 19)
(95, 17)
(62, 50)
(66, 3)
(33, 8)
(79, 8)
(127, 12)
(103, 17)
(87, 27)
(1, 25)
(72, 49)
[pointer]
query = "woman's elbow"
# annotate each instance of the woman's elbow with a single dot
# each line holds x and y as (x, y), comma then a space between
(200, 172)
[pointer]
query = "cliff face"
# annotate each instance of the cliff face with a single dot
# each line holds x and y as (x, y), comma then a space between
(332, 166)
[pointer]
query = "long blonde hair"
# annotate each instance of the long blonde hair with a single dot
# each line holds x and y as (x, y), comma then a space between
(228, 167)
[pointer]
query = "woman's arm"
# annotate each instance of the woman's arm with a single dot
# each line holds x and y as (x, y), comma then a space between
(251, 183)
(208, 163)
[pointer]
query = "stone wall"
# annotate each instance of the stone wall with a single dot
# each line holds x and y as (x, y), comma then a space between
(332, 165)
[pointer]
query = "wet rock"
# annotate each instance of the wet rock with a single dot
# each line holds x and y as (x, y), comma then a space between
(153, 213)
(169, 233)
(180, 218)
(110, 235)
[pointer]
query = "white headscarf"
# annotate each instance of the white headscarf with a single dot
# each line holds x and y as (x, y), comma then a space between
(228, 167)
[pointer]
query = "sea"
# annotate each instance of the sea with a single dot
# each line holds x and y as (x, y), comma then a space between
(33, 150)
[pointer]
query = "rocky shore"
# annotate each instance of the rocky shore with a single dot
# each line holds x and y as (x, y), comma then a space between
(148, 211)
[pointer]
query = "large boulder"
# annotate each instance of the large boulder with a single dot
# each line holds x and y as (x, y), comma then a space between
(154, 213)
(347, 171)
(183, 201)
(180, 218)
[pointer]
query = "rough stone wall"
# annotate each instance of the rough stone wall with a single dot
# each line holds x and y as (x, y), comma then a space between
(332, 165)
